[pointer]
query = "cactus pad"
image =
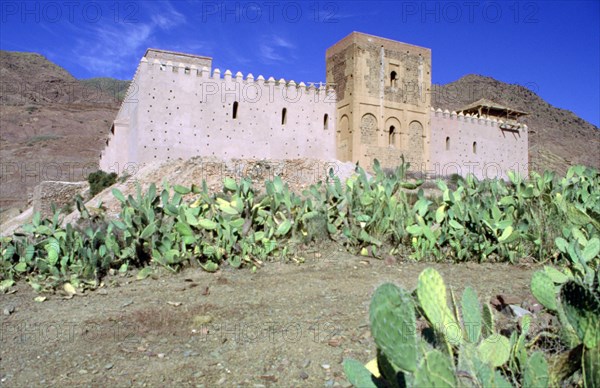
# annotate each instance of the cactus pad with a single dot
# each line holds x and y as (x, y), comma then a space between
(393, 325)
(536, 371)
(582, 309)
(435, 370)
(357, 374)
(543, 289)
(431, 292)
(495, 350)
(471, 314)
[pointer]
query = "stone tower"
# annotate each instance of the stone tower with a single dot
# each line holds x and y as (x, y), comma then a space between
(383, 107)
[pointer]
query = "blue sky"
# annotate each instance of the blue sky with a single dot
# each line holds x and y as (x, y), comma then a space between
(553, 47)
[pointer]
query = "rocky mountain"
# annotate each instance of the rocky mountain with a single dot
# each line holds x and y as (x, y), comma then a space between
(52, 126)
(114, 87)
(558, 138)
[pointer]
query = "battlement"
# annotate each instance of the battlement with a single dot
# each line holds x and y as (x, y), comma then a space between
(476, 144)
(204, 72)
(174, 56)
(485, 120)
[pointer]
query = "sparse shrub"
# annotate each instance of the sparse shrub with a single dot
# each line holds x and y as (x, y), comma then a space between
(100, 180)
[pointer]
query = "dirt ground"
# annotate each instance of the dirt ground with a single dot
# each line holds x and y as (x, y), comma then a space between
(284, 325)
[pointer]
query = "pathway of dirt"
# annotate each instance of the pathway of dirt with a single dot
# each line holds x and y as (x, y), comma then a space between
(285, 325)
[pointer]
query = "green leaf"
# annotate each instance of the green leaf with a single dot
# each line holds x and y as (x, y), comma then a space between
(455, 224)
(184, 229)
(182, 189)
(21, 267)
(284, 228)
(228, 209)
(561, 244)
(591, 250)
(440, 214)
(415, 230)
(207, 224)
(144, 273)
(148, 231)
(210, 266)
(506, 234)
(230, 184)
(118, 195)
(6, 284)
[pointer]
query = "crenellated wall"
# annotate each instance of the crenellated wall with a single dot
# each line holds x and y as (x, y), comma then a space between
(178, 107)
(460, 144)
(178, 110)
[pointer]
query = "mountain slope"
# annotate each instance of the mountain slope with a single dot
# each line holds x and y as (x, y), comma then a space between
(52, 127)
(557, 137)
(114, 87)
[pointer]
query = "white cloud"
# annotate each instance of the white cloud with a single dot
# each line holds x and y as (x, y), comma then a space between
(274, 48)
(109, 48)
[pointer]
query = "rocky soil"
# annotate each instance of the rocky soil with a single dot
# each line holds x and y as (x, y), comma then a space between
(284, 325)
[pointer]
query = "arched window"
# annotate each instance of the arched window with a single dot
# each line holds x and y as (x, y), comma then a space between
(447, 143)
(392, 136)
(235, 109)
(326, 122)
(474, 147)
(393, 78)
(283, 116)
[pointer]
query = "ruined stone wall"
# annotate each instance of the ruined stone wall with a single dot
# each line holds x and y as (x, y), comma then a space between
(177, 110)
(468, 144)
(58, 193)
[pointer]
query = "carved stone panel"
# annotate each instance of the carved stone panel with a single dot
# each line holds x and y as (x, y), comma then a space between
(368, 129)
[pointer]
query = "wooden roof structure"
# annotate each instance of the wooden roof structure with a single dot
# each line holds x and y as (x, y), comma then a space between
(487, 107)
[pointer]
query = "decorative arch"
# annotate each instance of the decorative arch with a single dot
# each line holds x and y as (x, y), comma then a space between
(415, 147)
(368, 129)
(344, 140)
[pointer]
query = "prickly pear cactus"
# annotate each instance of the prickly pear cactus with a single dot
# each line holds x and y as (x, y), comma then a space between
(543, 289)
(495, 350)
(536, 371)
(431, 292)
(435, 370)
(393, 325)
(591, 367)
(489, 326)
(582, 308)
(472, 366)
(471, 314)
(357, 374)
